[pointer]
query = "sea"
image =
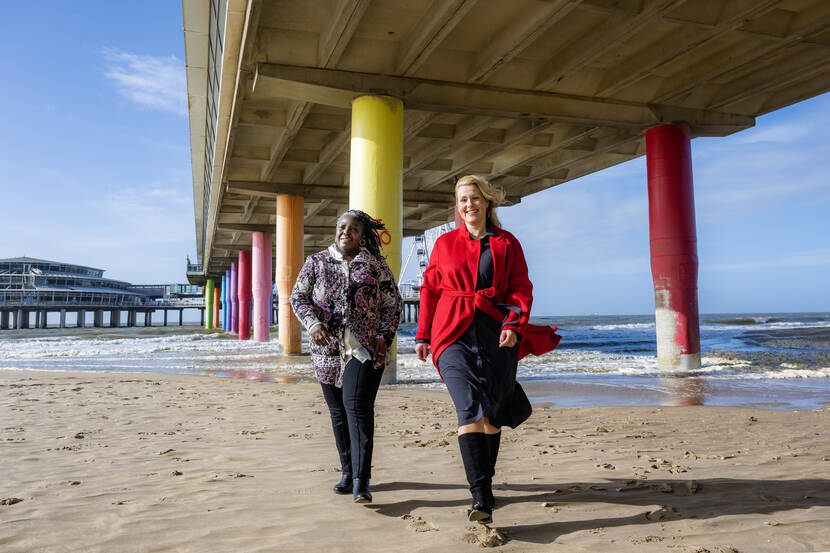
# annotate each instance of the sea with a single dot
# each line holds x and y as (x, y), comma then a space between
(765, 360)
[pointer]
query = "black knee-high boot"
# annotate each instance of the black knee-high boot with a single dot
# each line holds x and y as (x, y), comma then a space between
(493, 441)
(340, 427)
(476, 457)
(343, 442)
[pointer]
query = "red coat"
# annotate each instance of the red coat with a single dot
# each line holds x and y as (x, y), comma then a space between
(449, 299)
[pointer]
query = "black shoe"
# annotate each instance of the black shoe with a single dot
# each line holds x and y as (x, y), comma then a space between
(481, 513)
(345, 485)
(361, 491)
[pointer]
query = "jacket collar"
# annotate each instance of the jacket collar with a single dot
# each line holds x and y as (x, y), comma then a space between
(362, 255)
(491, 230)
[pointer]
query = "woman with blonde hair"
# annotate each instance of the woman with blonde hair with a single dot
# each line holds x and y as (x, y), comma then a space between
(474, 310)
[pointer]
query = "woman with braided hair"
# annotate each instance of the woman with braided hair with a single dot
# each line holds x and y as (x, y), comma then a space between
(347, 300)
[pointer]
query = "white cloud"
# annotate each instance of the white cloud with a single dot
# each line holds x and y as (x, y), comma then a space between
(815, 258)
(155, 82)
(784, 132)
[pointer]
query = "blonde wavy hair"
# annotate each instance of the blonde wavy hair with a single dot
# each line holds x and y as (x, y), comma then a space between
(490, 192)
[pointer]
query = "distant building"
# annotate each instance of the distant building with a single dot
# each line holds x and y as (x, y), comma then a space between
(29, 282)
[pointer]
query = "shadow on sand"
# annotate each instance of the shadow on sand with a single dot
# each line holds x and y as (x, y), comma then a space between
(662, 500)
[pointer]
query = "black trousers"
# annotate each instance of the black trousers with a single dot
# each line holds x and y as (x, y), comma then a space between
(352, 411)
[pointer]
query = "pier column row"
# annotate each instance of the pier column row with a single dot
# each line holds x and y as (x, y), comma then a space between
(289, 262)
(261, 284)
(376, 178)
(244, 294)
(209, 303)
(673, 237)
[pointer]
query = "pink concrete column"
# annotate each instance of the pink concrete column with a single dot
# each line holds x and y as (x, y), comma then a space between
(673, 238)
(244, 294)
(262, 279)
(216, 301)
(234, 298)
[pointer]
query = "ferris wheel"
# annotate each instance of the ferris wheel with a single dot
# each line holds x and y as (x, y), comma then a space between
(422, 249)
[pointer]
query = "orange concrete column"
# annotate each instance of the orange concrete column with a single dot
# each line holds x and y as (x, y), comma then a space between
(289, 262)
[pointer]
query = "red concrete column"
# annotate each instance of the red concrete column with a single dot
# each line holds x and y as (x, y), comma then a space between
(244, 295)
(262, 279)
(673, 246)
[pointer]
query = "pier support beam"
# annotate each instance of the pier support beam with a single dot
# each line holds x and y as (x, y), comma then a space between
(165, 317)
(209, 293)
(261, 284)
(673, 237)
(98, 318)
(4, 320)
(234, 298)
(63, 318)
(289, 263)
(376, 178)
(80, 319)
(244, 295)
(181, 317)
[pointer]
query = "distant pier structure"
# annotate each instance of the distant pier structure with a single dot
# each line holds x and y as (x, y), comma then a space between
(32, 288)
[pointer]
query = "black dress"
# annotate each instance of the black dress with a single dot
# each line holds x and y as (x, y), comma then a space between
(480, 376)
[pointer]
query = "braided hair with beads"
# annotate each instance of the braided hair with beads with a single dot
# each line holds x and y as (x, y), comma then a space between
(371, 237)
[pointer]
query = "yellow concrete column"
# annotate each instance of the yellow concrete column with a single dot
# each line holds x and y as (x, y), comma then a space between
(376, 178)
(289, 262)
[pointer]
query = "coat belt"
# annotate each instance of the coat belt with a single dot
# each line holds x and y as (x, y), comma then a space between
(481, 301)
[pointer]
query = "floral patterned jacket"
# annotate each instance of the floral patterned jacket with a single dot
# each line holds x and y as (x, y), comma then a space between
(363, 298)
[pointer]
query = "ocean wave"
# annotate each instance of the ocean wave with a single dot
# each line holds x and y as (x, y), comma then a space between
(622, 326)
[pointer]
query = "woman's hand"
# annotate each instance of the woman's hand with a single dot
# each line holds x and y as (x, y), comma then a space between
(508, 338)
(320, 335)
(380, 353)
(422, 351)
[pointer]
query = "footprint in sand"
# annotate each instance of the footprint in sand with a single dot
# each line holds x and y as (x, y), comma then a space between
(484, 536)
(417, 524)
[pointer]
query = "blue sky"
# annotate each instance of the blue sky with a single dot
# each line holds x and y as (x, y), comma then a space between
(95, 168)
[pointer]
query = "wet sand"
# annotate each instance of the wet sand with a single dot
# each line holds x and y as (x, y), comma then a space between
(100, 462)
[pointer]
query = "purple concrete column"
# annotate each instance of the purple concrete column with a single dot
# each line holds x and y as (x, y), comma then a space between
(234, 298)
(262, 278)
(227, 303)
(244, 278)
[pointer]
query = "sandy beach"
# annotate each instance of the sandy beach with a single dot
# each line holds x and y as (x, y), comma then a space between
(99, 462)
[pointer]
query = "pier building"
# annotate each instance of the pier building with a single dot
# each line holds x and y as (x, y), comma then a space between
(299, 110)
(32, 288)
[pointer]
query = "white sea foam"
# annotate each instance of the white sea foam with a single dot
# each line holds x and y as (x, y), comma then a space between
(622, 326)
(200, 352)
